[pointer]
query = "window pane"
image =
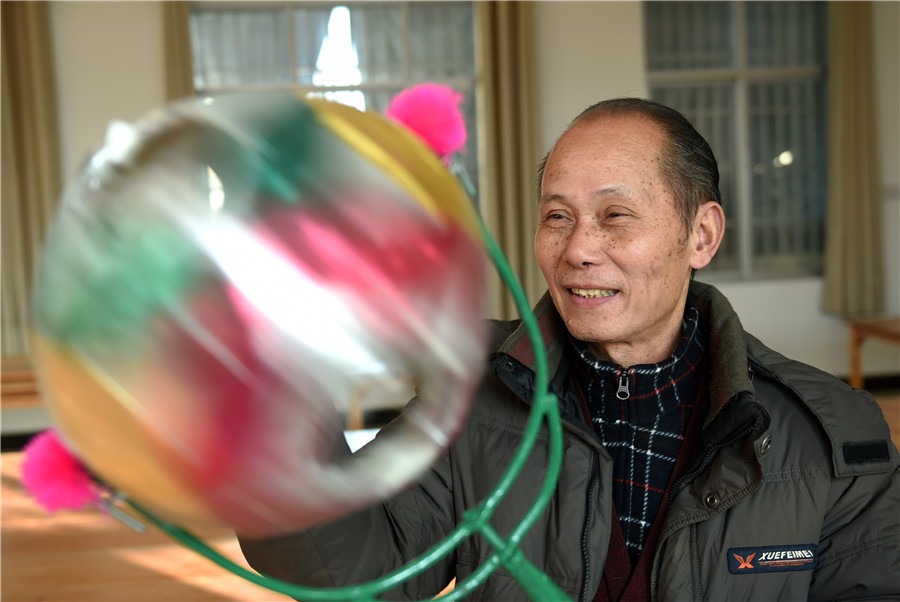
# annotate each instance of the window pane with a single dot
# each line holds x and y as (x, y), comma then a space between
(786, 34)
(310, 30)
(378, 39)
(239, 47)
(710, 108)
(788, 152)
(776, 89)
(689, 35)
(361, 54)
(441, 40)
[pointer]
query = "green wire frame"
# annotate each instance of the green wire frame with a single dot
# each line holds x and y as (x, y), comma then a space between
(476, 520)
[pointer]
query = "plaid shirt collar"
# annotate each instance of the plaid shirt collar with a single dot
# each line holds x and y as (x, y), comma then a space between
(646, 388)
(727, 351)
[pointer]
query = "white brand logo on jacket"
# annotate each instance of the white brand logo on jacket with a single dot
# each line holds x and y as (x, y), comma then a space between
(768, 559)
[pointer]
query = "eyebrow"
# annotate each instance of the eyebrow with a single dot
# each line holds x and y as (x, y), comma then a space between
(617, 190)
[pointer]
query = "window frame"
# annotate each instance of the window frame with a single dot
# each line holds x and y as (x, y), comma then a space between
(742, 76)
(287, 6)
(471, 85)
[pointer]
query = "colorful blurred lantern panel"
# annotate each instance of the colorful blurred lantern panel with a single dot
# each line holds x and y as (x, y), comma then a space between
(226, 278)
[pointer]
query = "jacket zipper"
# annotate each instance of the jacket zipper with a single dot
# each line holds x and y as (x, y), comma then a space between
(695, 564)
(623, 393)
(589, 518)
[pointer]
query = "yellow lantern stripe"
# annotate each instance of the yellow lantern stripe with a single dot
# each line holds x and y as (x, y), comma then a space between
(104, 425)
(403, 157)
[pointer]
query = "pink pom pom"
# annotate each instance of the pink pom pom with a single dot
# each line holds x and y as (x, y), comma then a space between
(432, 112)
(55, 477)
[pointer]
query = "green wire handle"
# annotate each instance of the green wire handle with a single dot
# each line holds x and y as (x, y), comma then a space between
(476, 520)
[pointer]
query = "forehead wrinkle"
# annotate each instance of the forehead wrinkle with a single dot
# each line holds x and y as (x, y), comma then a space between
(546, 198)
(619, 190)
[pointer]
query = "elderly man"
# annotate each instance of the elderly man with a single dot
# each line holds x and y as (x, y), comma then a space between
(698, 464)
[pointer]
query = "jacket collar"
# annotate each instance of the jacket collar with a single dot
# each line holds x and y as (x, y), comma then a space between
(553, 332)
(729, 376)
(730, 371)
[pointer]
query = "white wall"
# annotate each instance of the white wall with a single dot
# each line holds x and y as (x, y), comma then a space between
(587, 52)
(594, 50)
(110, 66)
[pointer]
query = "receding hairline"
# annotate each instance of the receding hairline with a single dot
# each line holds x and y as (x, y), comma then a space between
(657, 130)
(684, 158)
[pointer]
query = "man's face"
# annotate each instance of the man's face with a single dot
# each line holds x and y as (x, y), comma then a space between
(610, 242)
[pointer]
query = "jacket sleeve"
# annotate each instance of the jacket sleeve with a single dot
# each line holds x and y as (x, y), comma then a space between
(859, 547)
(859, 537)
(860, 558)
(369, 544)
(379, 539)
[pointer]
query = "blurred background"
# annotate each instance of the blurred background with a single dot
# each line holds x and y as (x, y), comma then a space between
(801, 106)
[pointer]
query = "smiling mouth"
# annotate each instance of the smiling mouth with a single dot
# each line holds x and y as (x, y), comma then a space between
(593, 293)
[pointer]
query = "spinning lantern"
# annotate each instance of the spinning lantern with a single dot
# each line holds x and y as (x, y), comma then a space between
(225, 276)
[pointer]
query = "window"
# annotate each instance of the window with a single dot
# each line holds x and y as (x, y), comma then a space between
(360, 54)
(751, 78)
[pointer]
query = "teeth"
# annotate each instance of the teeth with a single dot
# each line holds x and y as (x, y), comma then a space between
(593, 293)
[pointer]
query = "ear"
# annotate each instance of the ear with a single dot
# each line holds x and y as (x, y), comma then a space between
(709, 228)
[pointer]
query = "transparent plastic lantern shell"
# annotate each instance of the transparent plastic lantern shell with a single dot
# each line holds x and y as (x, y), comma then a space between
(228, 281)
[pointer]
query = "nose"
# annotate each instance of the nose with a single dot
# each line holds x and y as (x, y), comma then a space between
(586, 243)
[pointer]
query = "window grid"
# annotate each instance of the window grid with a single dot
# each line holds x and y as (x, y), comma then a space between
(768, 133)
(274, 45)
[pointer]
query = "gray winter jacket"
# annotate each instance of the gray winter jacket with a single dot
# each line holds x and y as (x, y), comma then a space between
(794, 492)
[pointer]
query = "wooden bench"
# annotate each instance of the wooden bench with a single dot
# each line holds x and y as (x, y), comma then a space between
(883, 328)
(18, 383)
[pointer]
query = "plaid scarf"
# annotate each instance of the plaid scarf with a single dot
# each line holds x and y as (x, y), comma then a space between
(641, 415)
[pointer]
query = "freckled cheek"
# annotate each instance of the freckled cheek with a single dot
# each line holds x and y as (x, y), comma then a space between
(548, 247)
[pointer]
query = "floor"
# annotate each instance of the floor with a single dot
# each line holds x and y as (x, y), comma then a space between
(73, 556)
